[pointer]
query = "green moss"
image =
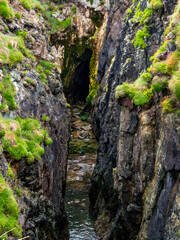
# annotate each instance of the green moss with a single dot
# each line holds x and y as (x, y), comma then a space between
(23, 138)
(39, 69)
(48, 141)
(22, 34)
(30, 4)
(18, 191)
(6, 11)
(177, 90)
(45, 118)
(167, 105)
(15, 56)
(18, 15)
(156, 4)
(11, 55)
(142, 16)
(7, 90)
(9, 211)
(47, 65)
(31, 81)
(10, 172)
(141, 35)
(74, 9)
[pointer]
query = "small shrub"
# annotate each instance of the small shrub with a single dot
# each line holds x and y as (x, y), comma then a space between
(101, 3)
(177, 90)
(6, 29)
(91, 2)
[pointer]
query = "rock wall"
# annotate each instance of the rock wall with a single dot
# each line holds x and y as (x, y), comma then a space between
(39, 93)
(135, 184)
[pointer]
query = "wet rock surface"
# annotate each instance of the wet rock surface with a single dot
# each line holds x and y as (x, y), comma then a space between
(81, 162)
(134, 185)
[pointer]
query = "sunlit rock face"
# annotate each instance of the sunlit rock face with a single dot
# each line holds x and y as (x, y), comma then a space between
(135, 184)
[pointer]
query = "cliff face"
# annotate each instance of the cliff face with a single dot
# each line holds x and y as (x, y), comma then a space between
(135, 184)
(37, 183)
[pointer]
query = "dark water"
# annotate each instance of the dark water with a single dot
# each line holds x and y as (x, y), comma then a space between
(81, 162)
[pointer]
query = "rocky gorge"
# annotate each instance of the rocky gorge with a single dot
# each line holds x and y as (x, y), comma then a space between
(118, 60)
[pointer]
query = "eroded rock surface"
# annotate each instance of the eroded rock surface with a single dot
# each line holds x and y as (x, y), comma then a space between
(135, 184)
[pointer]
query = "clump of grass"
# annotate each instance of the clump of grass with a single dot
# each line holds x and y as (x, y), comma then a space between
(6, 11)
(156, 4)
(9, 211)
(31, 4)
(23, 138)
(12, 49)
(45, 118)
(31, 81)
(47, 65)
(141, 35)
(18, 15)
(172, 62)
(74, 9)
(167, 105)
(18, 191)
(22, 34)
(7, 90)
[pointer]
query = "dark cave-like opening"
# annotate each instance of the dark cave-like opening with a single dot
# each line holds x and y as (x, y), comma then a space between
(80, 85)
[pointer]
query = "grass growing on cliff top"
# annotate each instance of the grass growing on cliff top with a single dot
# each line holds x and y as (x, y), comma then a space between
(9, 211)
(23, 138)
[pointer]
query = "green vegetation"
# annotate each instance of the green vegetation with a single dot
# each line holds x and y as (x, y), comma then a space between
(6, 11)
(12, 49)
(47, 65)
(10, 172)
(101, 3)
(18, 15)
(94, 86)
(91, 2)
(18, 191)
(137, 91)
(140, 37)
(74, 9)
(31, 4)
(8, 93)
(166, 72)
(45, 118)
(23, 138)
(23, 34)
(156, 4)
(9, 211)
(31, 81)
(167, 105)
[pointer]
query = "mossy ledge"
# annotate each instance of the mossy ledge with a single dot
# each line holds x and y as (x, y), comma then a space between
(162, 74)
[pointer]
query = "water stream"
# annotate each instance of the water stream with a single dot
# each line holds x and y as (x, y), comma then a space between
(81, 161)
